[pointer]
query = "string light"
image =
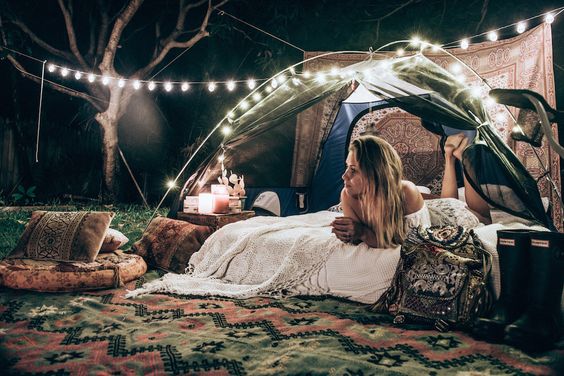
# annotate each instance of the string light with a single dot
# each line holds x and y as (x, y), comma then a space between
(549, 18)
(91, 77)
(464, 44)
(184, 86)
(521, 27)
(105, 80)
(51, 68)
(168, 86)
(257, 97)
(492, 35)
(251, 84)
(136, 84)
(121, 82)
(77, 75)
(171, 184)
(230, 85)
(400, 52)
(211, 87)
(226, 130)
(151, 86)
(64, 72)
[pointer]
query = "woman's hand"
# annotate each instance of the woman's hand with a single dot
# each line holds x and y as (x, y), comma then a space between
(347, 230)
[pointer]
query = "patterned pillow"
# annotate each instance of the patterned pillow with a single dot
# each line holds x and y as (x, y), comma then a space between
(113, 240)
(169, 243)
(451, 211)
(63, 236)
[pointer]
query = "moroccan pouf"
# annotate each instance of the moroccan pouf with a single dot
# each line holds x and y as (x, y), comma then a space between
(109, 270)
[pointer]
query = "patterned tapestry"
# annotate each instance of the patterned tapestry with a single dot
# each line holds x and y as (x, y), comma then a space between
(101, 333)
(522, 62)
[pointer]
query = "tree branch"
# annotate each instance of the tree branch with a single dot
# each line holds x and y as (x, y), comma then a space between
(93, 101)
(72, 35)
(170, 42)
(41, 43)
(484, 12)
(107, 64)
(104, 29)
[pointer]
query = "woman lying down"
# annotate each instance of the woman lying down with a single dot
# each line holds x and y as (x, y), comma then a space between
(351, 255)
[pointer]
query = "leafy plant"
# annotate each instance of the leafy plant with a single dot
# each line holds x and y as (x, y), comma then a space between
(23, 195)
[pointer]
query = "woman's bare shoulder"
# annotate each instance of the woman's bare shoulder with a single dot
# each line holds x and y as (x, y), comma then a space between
(413, 201)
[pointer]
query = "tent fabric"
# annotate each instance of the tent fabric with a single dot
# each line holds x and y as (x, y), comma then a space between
(414, 83)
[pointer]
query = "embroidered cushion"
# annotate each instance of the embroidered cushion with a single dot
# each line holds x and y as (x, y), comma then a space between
(169, 243)
(107, 271)
(451, 211)
(113, 240)
(63, 236)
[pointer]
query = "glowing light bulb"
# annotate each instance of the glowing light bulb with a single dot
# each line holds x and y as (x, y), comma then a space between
(151, 86)
(517, 129)
(549, 18)
(464, 44)
(226, 130)
(64, 72)
(492, 35)
(307, 74)
(171, 184)
(456, 68)
(320, 77)
(476, 91)
(268, 89)
(244, 105)
(230, 115)
(230, 85)
(274, 84)
(184, 86)
(257, 97)
(296, 81)
(400, 52)
(91, 77)
(77, 75)
(292, 70)
(121, 82)
(281, 79)
(521, 26)
(251, 84)
(51, 68)
(334, 71)
(136, 84)
(221, 158)
(105, 80)
(211, 87)
(435, 48)
(415, 41)
(168, 86)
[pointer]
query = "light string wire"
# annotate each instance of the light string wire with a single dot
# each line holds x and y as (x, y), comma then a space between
(39, 111)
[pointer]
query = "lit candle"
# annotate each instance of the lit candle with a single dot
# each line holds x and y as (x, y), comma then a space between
(221, 204)
(205, 203)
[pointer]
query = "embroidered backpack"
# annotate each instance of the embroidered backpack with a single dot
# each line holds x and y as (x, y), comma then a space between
(441, 279)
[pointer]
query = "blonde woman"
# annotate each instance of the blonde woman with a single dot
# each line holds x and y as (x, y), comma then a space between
(378, 206)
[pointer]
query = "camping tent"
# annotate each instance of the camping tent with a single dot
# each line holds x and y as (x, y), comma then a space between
(263, 143)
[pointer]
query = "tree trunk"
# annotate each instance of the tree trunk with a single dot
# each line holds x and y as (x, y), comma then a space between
(108, 121)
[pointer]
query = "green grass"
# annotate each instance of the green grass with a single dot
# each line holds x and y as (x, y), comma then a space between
(131, 220)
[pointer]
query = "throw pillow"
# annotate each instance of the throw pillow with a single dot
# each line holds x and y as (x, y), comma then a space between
(169, 243)
(451, 211)
(113, 240)
(63, 236)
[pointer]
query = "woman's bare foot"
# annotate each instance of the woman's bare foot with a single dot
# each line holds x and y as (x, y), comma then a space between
(460, 149)
(452, 144)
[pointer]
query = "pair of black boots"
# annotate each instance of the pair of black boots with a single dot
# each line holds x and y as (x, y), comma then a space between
(528, 313)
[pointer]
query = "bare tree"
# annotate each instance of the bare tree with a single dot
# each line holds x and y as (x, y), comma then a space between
(98, 54)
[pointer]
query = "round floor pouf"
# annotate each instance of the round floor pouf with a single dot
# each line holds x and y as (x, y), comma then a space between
(109, 270)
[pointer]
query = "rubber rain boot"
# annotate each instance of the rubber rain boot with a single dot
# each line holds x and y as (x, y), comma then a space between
(541, 325)
(513, 252)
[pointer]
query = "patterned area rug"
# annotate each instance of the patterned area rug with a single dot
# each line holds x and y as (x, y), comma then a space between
(102, 333)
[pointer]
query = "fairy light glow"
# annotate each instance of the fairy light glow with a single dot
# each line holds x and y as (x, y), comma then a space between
(168, 86)
(320, 77)
(500, 118)
(274, 83)
(221, 158)
(549, 18)
(51, 68)
(211, 87)
(476, 91)
(296, 81)
(257, 97)
(251, 84)
(230, 85)
(244, 105)
(226, 130)
(416, 41)
(521, 27)
(77, 75)
(456, 68)
(492, 36)
(307, 74)
(281, 79)
(105, 80)
(184, 86)
(151, 86)
(400, 52)
(64, 72)
(121, 82)
(464, 43)
(171, 184)
(335, 71)
(136, 84)
(91, 78)
(268, 89)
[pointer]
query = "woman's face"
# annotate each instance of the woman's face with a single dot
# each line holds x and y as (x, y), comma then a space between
(353, 177)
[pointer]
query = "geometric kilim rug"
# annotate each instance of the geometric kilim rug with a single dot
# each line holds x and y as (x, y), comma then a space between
(102, 333)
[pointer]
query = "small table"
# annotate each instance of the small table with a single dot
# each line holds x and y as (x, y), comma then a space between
(215, 220)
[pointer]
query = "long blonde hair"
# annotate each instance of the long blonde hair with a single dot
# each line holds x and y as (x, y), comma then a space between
(381, 200)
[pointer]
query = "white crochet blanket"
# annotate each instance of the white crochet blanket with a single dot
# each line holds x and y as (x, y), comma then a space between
(262, 256)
